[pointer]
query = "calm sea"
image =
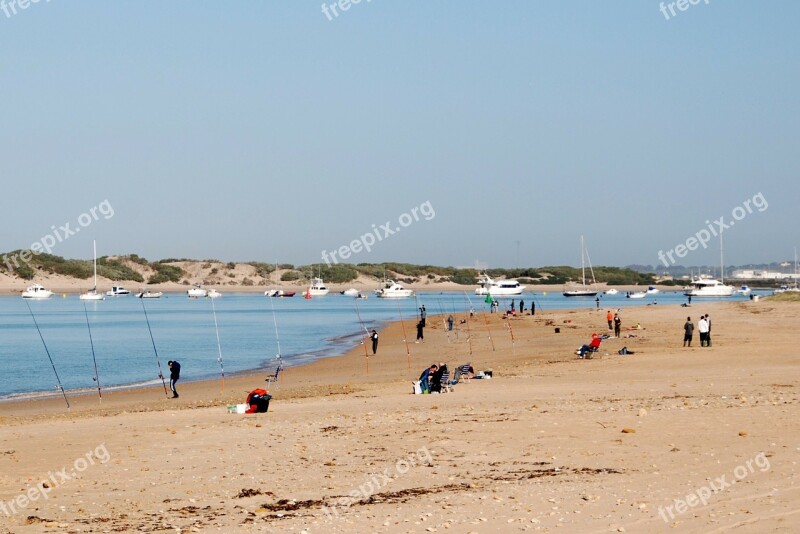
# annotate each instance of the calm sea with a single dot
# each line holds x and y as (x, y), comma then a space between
(183, 329)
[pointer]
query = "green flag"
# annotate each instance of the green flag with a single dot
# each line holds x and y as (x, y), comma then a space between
(488, 298)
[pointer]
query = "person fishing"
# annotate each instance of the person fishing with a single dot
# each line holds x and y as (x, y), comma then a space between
(174, 376)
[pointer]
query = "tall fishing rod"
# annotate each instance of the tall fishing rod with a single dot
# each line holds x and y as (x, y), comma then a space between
(366, 333)
(469, 333)
(96, 376)
(58, 380)
(510, 330)
(485, 320)
(444, 321)
(278, 357)
(405, 337)
(153, 341)
(219, 347)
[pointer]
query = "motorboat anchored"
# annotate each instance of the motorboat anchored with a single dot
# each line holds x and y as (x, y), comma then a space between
(652, 290)
(196, 292)
(36, 291)
(117, 291)
(147, 294)
(279, 293)
(637, 295)
(352, 292)
(213, 294)
(709, 287)
(612, 291)
(393, 290)
(317, 288)
(498, 288)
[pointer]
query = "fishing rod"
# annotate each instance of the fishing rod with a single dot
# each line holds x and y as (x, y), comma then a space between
(219, 347)
(405, 337)
(278, 357)
(469, 333)
(58, 380)
(444, 321)
(153, 341)
(366, 334)
(485, 320)
(96, 376)
(510, 330)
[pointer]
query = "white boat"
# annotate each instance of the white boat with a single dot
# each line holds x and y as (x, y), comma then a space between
(36, 291)
(213, 294)
(317, 288)
(498, 288)
(637, 295)
(147, 294)
(744, 290)
(585, 292)
(117, 291)
(393, 290)
(277, 291)
(709, 287)
(352, 292)
(612, 291)
(652, 290)
(196, 292)
(92, 294)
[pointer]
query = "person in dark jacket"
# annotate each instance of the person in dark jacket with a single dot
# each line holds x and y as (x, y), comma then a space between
(374, 337)
(174, 376)
(436, 378)
(420, 333)
(425, 377)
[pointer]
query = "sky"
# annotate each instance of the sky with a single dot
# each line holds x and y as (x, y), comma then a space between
(271, 131)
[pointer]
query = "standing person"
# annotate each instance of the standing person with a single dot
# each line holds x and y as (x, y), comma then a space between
(374, 337)
(597, 303)
(420, 327)
(521, 306)
(174, 376)
(617, 325)
(690, 300)
(533, 307)
(708, 334)
(513, 310)
(688, 332)
(450, 322)
(610, 319)
(495, 305)
(702, 327)
(423, 315)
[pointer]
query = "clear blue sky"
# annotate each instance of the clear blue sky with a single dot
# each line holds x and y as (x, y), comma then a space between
(264, 131)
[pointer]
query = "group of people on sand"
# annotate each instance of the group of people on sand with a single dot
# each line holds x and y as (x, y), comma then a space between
(430, 381)
(703, 327)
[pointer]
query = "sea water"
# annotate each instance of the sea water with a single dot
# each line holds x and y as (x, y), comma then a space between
(183, 329)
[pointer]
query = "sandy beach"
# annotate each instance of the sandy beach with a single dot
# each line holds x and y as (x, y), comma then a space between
(668, 439)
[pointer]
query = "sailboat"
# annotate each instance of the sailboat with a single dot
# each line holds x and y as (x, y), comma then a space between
(709, 287)
(92, 294)
(585, 292)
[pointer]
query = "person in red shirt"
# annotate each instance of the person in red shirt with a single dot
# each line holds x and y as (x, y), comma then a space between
(593, 345)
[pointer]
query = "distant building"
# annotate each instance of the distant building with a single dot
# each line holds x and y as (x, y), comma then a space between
(753, 274)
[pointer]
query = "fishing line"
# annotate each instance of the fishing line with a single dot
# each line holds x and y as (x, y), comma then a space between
(153, 341)
(94, 358)
(58, 380)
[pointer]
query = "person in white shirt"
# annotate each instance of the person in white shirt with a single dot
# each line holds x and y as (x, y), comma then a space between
(702, 327)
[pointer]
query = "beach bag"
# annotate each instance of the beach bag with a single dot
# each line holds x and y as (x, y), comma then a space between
(417, 387)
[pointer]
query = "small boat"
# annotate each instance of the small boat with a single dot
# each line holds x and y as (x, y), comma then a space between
(196, 292)
(279, 293)
(612, 291)
(92, 294)
(36, 291)
(652, 290)
(213, 294)
(317, 288)
(744, 290)
(117, 291)
(352, 292)
(147, 294)
(637, 295)
(498, 288)
(362, 296)
(393, 290)
(585, 292)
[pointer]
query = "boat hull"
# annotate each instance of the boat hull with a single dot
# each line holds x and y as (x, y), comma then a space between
(580, 293)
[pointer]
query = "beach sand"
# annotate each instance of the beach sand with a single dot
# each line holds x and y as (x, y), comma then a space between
(550, 443)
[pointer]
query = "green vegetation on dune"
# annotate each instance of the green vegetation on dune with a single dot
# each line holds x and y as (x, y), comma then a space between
(165, 273)
(116, 270)
(787, 296)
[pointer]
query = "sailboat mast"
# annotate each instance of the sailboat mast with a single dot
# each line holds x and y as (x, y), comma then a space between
(583, 267)
(721, 260)
(94, 251)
